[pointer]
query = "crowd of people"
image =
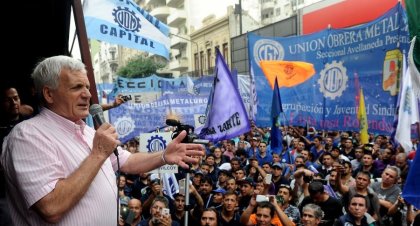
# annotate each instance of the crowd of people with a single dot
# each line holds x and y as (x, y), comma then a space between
(57, 170)
(318, 178)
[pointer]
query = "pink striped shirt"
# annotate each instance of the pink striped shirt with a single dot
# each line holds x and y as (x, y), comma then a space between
(40, 151)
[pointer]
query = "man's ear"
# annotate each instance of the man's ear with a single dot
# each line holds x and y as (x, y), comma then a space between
(46, 93)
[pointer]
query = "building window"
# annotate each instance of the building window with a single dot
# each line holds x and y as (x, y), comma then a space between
(196, 64)
(201, 62)
(208, 58)
(226, 52)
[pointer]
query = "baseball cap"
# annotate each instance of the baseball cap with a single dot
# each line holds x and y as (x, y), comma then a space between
(247, 180)
(277, 164)
(219, 190)
(198, 172)
(255, 138)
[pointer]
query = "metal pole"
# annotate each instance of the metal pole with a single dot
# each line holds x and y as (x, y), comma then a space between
(187, 197)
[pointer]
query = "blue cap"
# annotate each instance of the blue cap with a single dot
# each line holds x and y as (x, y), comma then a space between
(220, 190)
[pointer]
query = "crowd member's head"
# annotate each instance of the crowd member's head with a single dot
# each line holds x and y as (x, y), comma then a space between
(285, 191)
(267, 167)
(277, 170)
(358, 206)
(206, 186)
(316, 191)
(390, 175)
(327, 159)
(367, 159)
(235, 164)
(196, 180)
(240, 174)
(358, 153)
(265, 212)
(299, 160)
(10, 103)
(230, 201)
(158, 204)
(311, 215)
(218, 196)
(209, 217)
(179, 201)
(362, 180)
(231, 184)
(246, 186)
(205, 168)
(135, 206)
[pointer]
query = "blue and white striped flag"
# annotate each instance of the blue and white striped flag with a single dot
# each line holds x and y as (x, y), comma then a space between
(170, 184)
(125, 23)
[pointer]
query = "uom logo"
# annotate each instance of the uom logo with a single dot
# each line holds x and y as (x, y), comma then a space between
(333, 80)
(156, 143)
(126, 19)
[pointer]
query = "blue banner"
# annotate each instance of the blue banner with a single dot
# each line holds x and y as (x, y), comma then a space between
(367, 56)
(153, 99)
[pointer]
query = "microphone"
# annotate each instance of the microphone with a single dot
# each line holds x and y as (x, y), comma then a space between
(98, 118)
(97, 114)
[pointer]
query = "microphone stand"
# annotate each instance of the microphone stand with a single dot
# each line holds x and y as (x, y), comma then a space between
(187, 196)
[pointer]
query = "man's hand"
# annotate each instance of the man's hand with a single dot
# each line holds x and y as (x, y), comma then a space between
(105, 140)
(181, 153)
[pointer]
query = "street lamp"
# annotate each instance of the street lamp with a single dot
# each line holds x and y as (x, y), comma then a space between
(196, 45)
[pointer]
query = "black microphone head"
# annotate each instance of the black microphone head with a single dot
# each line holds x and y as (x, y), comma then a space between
(172, 122)
(95, 109)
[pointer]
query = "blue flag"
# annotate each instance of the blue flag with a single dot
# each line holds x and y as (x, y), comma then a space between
(276, 110)
(125, 23)
(412, 184)
(226, 114)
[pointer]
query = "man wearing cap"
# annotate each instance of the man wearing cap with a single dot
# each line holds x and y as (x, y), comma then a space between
(222, 178)
(246, 187)
(277, 177)
(252, 151)
(217, 198)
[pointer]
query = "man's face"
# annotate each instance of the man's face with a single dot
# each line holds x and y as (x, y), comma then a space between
(239, 174)
(332, 177)
(301, 146)
(223, 177)
(11, 102)
(156, 209)
(246, 189)
(386, 155)
(205, 188)
(305, 154)
(267, 168)
(400, 162)
(389, 177)
(277, 171)
(71, 98)
(262, 147)
(210, 161)
(217, 198)
(209, 218)
(362, 181)
(285, 194)
(327, 160)
(328, 141)
(205, 169)
(263, 217)
(299, 161)
(217, 152)
(308, 218)
(367, 160)
(230, 202)
(179, 203)
(231, 185)
(235, 165)
(357, 207)
(135, 206)
(358, 153)
(348, 143)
